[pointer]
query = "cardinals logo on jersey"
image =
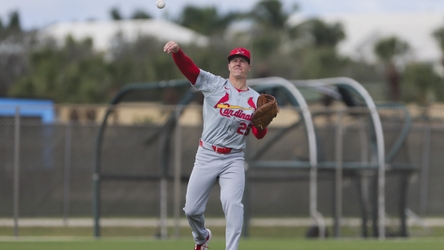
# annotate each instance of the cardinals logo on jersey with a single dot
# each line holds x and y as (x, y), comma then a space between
(251, 103)
(223, 100)
(228, 110)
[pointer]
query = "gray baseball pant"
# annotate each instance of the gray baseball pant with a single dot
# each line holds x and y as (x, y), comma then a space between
(228, 169)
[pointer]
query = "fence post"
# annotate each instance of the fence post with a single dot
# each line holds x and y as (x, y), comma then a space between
(338, 176)
(163, 192)
(425, 171)
(67, 174)
(177, 173)
(16, 169)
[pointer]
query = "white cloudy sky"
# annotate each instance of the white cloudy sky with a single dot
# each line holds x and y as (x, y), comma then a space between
(38, 13)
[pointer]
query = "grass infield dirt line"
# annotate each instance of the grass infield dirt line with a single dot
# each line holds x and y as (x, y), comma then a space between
(153, 222)
(219, 244)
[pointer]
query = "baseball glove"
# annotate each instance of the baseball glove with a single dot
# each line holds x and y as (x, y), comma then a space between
(266, 111)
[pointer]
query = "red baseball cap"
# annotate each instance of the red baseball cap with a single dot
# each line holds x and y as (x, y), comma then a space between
(240, 52)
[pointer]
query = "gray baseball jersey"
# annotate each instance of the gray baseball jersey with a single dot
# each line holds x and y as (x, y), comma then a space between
(226, 111)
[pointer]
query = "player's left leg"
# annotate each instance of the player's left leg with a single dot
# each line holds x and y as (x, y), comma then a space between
(232, 184)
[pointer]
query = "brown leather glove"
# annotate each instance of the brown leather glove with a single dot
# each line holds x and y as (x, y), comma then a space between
(266, 111)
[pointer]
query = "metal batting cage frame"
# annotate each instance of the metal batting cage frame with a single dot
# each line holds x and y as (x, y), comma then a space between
(343, 89)
(353, 94)
(166, 130)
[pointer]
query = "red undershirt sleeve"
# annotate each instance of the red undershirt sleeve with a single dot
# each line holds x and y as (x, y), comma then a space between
(186, 66)
(259, 134)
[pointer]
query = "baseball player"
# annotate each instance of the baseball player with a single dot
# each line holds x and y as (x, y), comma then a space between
(227, 110)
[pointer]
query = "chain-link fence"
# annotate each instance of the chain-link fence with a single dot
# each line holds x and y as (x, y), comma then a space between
(46, 169)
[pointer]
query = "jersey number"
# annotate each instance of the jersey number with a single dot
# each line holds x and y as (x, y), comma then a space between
(243, 129)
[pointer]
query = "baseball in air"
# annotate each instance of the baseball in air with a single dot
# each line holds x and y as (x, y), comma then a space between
(160, 4)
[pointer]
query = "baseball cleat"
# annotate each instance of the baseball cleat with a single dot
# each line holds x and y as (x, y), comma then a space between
(204, 246)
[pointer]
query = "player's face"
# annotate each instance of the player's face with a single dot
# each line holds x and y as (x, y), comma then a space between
(239, 67)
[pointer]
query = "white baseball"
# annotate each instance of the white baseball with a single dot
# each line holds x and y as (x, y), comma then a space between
(160, 4)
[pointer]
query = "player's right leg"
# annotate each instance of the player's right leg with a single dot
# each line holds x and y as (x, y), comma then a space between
(202, 179)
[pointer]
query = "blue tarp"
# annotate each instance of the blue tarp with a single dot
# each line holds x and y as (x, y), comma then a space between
(43, 109)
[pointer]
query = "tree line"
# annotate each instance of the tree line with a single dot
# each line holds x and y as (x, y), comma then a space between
(76, 73)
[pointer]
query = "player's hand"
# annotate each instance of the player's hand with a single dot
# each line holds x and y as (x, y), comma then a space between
(171, 47)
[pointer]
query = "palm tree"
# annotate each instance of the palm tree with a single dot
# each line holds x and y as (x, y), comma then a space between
(324, 34)
(438, 34)
(115, 14)
(270, 14)
(14, 21)
(140, 14)
(206, 20)
(386, 50)
(269, 28)
(422, 84)
(12, 27)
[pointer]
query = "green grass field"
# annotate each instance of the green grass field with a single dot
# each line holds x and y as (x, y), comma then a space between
(261, 238)
(219, 244)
